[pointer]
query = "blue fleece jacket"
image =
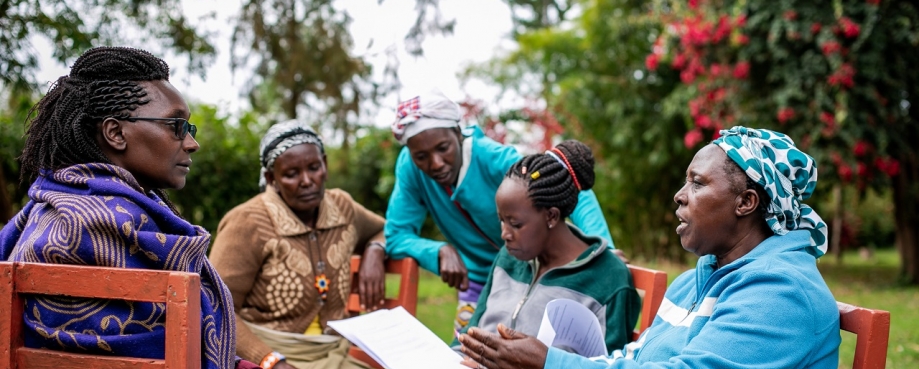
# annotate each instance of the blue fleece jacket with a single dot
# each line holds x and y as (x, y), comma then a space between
(415, 195)
(768, 309)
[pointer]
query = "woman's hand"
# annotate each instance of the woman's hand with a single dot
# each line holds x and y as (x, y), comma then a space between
(508, 349)
(372, 287)
(452, 268)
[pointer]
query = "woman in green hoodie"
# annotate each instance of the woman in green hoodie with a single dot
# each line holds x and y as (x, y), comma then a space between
(545, 258)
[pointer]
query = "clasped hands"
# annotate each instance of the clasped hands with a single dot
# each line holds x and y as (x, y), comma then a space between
(508, 349)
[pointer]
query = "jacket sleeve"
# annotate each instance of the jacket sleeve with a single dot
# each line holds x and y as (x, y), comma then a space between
(589, 217)
(481, 306)
(622, 311)
(746, 330)
(404, 217)
(237, 255)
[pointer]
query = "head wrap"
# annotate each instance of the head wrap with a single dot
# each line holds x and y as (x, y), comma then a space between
(787, 174)
(281, 137)
(424, 112)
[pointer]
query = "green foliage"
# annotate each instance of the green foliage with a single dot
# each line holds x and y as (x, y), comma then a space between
(370, 162)
(592, 76)
(225, 171)
(831, 74)
(12, 129)
(75, 26)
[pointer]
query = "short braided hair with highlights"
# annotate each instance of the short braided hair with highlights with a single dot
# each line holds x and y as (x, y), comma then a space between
(549, 183)
(103, 82)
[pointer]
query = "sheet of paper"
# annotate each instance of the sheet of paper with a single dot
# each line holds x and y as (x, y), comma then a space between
(568, 325)
(395, 339)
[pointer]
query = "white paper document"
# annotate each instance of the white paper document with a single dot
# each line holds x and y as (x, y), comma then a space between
(570, 326)
(396, 340)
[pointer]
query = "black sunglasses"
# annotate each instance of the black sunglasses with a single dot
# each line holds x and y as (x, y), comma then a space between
(182, 126)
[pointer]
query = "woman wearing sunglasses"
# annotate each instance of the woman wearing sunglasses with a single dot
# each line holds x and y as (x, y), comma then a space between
(106, 141)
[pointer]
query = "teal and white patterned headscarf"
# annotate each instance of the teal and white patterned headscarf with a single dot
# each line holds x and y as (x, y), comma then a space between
(789, 176)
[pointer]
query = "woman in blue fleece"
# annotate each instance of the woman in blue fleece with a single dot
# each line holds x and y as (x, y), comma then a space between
(755, 299)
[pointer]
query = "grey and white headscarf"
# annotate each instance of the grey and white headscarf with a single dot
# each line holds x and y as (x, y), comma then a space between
(281, 137)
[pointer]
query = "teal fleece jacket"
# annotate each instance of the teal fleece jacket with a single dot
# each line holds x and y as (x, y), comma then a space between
(768, 309)
(597, 279)
(415, 195)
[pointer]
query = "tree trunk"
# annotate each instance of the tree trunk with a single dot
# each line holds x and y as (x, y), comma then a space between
(836, 235)
(906, 213)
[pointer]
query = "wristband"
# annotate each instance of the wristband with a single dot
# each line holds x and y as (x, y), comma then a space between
(270, 360)
(377, 243)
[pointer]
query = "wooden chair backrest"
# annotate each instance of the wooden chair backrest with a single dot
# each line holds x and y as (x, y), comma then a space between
(180, 291)
(652, 284)
(872, 330)
(407, 269)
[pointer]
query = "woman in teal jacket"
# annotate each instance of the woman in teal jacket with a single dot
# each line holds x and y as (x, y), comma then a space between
(756, 298)
(453, 174)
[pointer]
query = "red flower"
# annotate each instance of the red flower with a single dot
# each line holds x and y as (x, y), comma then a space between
(741, 20)
(831, 47)
(790, 15)
(862, 169)
(679, 61)
(837, 159)
(742, 70)
(743, 39)
(843, 76)
(785, 114)
(703, 121)
(692, 138)
(845, 173)
(893, 167)
(687, 76)
(873, 2)
(693, 4)
(715, 69)
(829, 124)
(861, 148)
(815, 28)
(695, 106)
(723, 29)
(651, 62)
(849, 28)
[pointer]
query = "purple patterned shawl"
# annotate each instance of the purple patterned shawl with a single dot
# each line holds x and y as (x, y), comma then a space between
(96, 214)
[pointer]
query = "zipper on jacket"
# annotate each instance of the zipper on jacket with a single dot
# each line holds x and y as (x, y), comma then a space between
(689, 312)
(534, 268)
(527, 295)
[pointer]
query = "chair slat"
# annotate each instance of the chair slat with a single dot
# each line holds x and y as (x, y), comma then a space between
(96, 282)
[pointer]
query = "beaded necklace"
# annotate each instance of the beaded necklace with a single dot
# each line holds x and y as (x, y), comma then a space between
(322, 283)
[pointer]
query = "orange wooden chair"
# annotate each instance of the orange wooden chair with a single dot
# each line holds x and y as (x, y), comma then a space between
(180, 291)
(872, 330)
(407, 298)
(651, 284)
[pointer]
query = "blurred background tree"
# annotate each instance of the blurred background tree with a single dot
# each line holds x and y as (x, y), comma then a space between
(836, 75)
(647, 83)
(643, 83)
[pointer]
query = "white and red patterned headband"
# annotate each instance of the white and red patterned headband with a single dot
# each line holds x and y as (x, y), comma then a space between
(424, 112)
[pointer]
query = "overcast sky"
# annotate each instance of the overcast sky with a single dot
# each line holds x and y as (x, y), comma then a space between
(482, 28)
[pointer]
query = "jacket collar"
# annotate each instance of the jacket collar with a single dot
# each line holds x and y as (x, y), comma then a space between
(286, 223)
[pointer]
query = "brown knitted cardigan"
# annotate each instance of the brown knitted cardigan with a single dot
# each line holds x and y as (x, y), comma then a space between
(266, 256)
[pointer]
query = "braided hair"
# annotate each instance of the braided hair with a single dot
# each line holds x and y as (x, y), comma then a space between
(549, 183)
(102, 83)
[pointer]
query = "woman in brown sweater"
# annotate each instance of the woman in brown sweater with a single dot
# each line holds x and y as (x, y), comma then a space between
(285, 256)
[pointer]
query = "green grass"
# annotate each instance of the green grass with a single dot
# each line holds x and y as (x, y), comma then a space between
(864, 282)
